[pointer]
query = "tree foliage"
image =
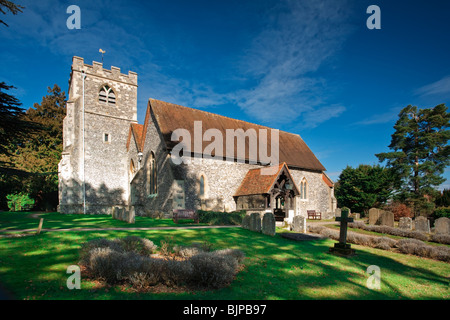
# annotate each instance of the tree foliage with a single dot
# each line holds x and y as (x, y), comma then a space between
(420, 153)
(12, 124)
(34, 157)
(6, 5)
(364, 187)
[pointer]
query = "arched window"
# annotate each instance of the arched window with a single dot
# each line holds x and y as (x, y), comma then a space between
(107, 95)
(202, 186)
(152, 175)
(303, 189)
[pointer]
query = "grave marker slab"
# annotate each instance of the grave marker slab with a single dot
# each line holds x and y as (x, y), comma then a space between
(405, 223)
(422, 224)
(442, 226)
(268, 224)
(299, 224)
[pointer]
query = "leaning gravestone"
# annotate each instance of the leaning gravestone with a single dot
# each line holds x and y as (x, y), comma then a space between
(442, 226)
(268, 224)
(405, 223)
(374, 216)
(422, 224)
(255, 222)
(299, 224)
(387, 218)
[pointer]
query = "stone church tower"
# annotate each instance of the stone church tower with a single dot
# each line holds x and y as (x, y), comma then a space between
(93, 171)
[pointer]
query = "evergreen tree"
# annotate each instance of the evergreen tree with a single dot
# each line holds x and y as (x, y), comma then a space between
(443, 199)
(35, 157)
(420, 153)
(12, 125)
(364, 187)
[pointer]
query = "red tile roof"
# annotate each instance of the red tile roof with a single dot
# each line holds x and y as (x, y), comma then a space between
(255, 182)
(169, 117)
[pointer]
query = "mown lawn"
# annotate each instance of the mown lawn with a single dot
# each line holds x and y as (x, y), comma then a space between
(10, 221)
(34, 267)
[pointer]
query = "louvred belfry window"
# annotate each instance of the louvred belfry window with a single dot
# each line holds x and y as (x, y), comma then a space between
(107, 95)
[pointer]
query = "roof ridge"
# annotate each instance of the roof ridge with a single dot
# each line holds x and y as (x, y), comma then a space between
(216, 114)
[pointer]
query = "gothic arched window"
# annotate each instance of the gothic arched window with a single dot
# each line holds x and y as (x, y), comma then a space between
(152, 175)
(107, 95)
(303, 189)
(202, 186)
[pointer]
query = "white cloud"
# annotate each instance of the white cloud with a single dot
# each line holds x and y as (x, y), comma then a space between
(313, 118)
(440, 87)
(385, 117)
(302, 35)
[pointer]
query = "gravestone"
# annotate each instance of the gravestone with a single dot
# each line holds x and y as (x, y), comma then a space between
(442, 226)
(255, 222)
(374, 216)
(342, 247)
(356, 216)
(422, 224)
(123, 214)
(405, 223)
(337, 212)
(299, 224)
(386, 218)
(246, 222)
(268, 224)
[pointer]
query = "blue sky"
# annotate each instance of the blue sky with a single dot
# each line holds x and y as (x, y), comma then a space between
(307, 67)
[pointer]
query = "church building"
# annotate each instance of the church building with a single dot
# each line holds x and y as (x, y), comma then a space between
(175, 159)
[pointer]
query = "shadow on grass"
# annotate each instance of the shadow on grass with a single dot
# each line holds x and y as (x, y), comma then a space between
(275, 268)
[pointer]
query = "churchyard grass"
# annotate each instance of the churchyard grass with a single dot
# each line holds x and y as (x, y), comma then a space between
(34, 267)
(53, 220)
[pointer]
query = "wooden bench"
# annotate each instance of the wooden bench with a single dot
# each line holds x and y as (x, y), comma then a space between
(313, 214)
(185, 214)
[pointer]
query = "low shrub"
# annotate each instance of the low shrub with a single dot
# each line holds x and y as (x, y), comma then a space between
(389, 230)
(141, 246)
(400, 210)
(128, 260)
(408, 246)
(221, 218)
(418, 248)
(210, 269)
(19, 202)
(440, 238)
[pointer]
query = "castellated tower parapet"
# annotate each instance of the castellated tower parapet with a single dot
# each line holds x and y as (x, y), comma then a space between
(102, 105)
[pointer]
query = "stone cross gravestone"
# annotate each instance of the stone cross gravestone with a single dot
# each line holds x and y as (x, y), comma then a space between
(342, 247)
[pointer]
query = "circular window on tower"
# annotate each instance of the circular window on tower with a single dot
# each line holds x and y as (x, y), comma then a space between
(107, 95)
